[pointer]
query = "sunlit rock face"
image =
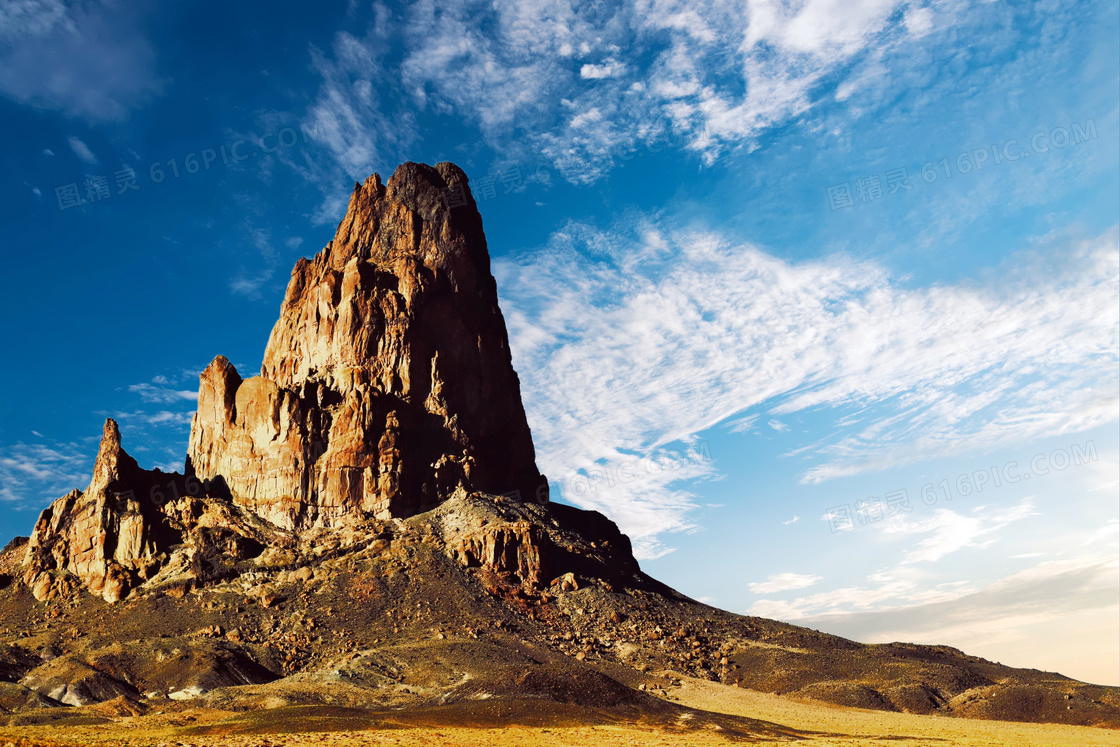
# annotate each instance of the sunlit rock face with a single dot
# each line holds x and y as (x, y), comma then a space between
(387, 389)
(104, 538)
(387, 382)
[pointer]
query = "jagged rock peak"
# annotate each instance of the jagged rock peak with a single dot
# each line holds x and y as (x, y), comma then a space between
(387, 383)
(387, 389)
(112, 463)
(416, 197)
(128, 526)
(99, 537)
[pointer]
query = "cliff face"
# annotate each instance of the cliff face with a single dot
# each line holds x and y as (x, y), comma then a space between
(387, 382)
(387, 389)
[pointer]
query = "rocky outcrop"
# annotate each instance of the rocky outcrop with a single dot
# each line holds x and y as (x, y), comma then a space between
(120, 531)
(515, 548)
(105, 537)
(387, 387)
(532, 547)
(387, 383)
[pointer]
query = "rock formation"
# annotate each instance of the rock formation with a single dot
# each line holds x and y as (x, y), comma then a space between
(367, 513)
(101, 536)
(387, 382)
(126, 526)
(387, 388)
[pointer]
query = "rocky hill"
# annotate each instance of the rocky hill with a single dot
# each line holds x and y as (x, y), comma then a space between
(363, 525)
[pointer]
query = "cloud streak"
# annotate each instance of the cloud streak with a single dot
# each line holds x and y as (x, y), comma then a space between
(571, 83)
(631, 339)
(89, 60)
(783, 582)
(40, 472)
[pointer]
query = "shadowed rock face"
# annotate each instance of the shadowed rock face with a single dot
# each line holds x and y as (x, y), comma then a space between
(387, 382)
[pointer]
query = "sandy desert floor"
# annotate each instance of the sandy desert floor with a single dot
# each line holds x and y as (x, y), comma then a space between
(850, 726)
(807, 723)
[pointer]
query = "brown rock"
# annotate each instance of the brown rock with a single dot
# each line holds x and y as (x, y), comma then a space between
(99, 535)
(115, 534)
(387, 381)
(387, 388)
(515, 547)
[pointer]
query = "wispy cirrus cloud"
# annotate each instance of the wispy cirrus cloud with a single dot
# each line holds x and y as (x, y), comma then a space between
(571, 83)
(85, 59)
(646, 335)
(36, 473)
(355, 113)
(157, 418)
(161, 393)
(783, 582)
(82, 151)
(948, 531)
(249, 282)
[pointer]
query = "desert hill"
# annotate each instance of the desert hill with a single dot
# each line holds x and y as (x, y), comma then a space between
(362, 529)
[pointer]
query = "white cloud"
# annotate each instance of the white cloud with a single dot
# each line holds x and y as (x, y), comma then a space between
(159, 393)
(918, 21)
(361, 131)
(646, 336)
(783, 582)
(609, 69)
(744, 424)
(82, 151)
(887, 590)
(578, 83)
(39, 473)
(159, 418)
(825, 30)
(89, 60)
(949, 531)
(794, 520)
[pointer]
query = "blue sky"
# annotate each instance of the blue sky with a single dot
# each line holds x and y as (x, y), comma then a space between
(774, 272)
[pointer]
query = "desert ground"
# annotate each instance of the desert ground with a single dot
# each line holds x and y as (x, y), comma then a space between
(772, 719)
